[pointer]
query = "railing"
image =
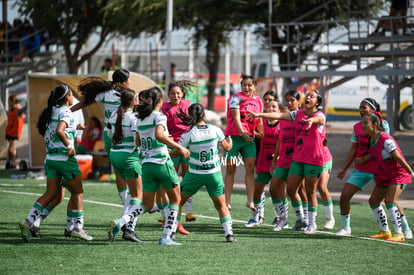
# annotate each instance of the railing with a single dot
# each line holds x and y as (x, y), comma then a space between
(11, 56)
(349, 43)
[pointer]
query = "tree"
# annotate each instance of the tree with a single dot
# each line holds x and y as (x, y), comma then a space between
(70, 24)
(211, 20)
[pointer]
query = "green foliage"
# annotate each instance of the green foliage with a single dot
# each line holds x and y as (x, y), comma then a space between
(70, 24)
(131, 18)
(211, 21)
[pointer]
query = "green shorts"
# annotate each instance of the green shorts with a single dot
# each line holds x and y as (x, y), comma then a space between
(180, 159)
(304, 169)
(328, 166)
(67, 170)
(263, 177)
(193, 182)
(281, 173)
(153, 175)
(108, 143)
(360, 179)
(127, 165)
(246, 149)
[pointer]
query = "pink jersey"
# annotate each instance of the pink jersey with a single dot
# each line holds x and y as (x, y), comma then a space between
(309, 142)
(387, 171)
(175, 125)
(286, 143)
(243, 103)
(267, 147)
(362, 149)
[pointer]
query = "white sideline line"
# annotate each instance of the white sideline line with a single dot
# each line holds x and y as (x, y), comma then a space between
(84, 184)
(37, 195)
(215, 218)
(11, 184)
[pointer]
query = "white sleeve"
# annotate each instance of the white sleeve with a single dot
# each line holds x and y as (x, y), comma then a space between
(161, 119)
(99, 97)
(66, 116)
(219, 134)
(321, 126)
(133, 123)
(234, 102)
(390, 146)
(322, 115)
(185, 139)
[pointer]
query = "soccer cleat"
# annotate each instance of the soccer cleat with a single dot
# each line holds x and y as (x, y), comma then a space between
(251, 223)
(113, 230)
(231, 239)
(329, 225)
(344, 231)
(130, 235)
(161, 219)
(81, 234)
(168, 242)
(310, 229)
(398, 237)
(382, 235)
(154, 209)
(182, 230)
(299, 225)
(34, 231)
(67, 233)
(25, 230)
(261, 220)
(408, 234)
(275, 220)
(281, 224)
(190, 218)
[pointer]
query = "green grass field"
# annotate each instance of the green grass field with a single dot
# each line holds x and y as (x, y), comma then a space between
(259, 250)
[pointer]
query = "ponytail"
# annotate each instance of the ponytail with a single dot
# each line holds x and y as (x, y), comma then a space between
(127, 97)
(148, 100)
(56, 97)
(92, 86)
(195, 114)
(118, 135)
(376, 118)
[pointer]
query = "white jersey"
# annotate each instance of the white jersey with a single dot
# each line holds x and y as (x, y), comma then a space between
(55, 149)
(111, 100)
(202, 141)
(129, 132)
(153, 150)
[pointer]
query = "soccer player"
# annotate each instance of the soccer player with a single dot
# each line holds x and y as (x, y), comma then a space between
(204, 170)
(177, 92)
(109, 94)
(308, 156)
(56, 125)
(242, 132)
(124, 153)
(281, 162)
(391, 173)
(15, 121)
(267, 149)
(363, 173)
(157, 167)
(323, 188)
